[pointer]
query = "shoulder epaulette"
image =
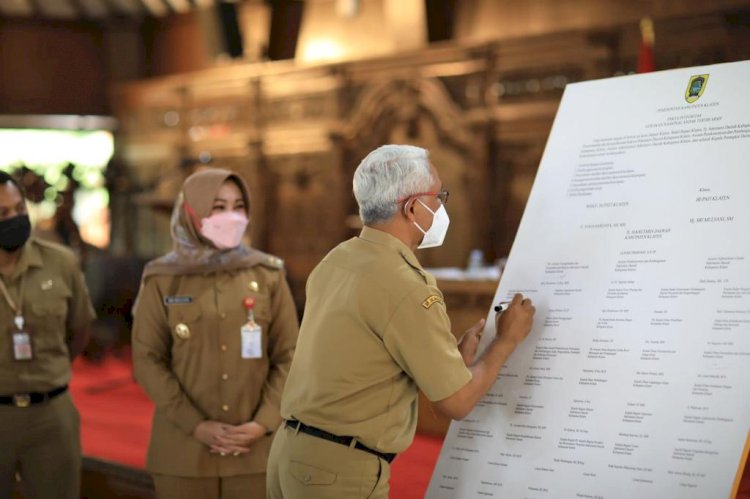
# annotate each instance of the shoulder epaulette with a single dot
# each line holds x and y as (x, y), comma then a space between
(51, 245)
(271, 261)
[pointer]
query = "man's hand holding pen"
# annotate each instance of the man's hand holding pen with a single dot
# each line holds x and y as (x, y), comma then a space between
(513, 320)
(502, 306)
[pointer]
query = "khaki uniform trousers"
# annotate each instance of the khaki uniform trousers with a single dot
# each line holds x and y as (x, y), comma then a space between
(230, 487)
(43, 443)
(302, 466)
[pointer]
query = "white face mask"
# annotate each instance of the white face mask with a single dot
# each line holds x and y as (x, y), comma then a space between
(436, 233)
(224, 229)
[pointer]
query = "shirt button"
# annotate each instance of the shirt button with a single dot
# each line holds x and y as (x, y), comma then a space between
(225, 408)
(225, 377)
(223, 348)
(223, 315)
(307, 478)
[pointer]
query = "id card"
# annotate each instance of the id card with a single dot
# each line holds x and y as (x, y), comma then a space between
(252, 347)
(21, 346)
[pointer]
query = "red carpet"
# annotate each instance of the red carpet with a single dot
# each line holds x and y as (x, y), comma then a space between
(116, 419)
(115, 413)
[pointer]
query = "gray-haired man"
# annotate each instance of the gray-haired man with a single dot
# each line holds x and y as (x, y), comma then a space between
(375, 330)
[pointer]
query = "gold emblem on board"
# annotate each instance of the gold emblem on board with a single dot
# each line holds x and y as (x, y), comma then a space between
(695, 88)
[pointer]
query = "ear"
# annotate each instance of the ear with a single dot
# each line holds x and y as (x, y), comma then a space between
(409, 209)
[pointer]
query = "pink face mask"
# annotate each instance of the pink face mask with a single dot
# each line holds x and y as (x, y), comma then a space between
(224, 229)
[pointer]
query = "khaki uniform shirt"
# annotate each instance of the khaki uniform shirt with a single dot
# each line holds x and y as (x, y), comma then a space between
(375, 329)
(202, 376)
(56, 304)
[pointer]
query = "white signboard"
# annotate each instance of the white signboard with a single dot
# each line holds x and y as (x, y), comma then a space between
(635, 247)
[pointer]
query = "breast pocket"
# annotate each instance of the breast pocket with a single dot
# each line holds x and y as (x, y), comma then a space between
(52, 309)
(262, 308)
(45, 320)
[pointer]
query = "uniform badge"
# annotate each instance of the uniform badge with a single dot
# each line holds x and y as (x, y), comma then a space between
(182, 331)
(253, 286)
(47, 285)
(430, 301)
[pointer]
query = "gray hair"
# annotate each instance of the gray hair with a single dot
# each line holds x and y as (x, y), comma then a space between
(387, 175)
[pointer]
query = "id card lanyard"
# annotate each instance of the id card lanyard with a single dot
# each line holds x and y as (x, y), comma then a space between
(252, 334)
(21, 338)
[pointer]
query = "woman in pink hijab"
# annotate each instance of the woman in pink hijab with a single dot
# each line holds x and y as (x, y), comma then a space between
(213, 337)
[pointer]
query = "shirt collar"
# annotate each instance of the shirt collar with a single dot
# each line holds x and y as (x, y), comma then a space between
(30, 257)
(383, 238)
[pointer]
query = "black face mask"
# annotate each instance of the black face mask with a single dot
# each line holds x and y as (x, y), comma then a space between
(14, 232)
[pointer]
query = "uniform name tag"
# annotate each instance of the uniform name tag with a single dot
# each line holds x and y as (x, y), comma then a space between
(22, 346)
(430, 301)
(177, 300)
(251, 341)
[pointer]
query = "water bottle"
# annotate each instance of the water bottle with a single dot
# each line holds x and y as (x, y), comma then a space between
(475, 263)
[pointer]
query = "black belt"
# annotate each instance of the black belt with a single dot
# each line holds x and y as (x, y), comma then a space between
(27, 399)
(317, 432)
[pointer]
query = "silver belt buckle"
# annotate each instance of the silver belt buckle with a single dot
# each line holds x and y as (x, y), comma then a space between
(22, 400)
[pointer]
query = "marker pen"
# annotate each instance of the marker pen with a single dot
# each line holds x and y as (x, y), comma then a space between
(502, 306)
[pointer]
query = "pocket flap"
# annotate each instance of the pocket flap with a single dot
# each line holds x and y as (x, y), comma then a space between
(310, 475)
(49, 307)
(184, 313)
(262, 308)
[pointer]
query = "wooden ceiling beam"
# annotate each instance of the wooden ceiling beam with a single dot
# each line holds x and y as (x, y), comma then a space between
(155, 8)
(93, 9)
(16, 8)
(179, 6)
(131, 8)
(35, 8)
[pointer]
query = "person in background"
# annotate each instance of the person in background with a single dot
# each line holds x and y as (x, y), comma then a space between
(375, 330)
(45, 314)
(214, 332)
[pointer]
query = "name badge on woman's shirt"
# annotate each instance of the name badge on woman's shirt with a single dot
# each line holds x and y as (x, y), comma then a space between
(252, 341)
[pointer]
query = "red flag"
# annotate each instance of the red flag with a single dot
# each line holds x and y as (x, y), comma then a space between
(646, 55)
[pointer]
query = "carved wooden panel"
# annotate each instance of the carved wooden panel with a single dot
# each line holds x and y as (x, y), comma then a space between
(557, 60)
(409, 108)
(525, 83)
(466, 90)
(519, 135)
(514, 168)
(221, 110)
(297, 133)
(149, 145)
(300, 98)
(154, 228)
(305, 215)
(150, 108)
(701, 40)
(149, 160)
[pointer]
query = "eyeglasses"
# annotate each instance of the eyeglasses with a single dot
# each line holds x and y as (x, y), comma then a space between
(442, 196)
